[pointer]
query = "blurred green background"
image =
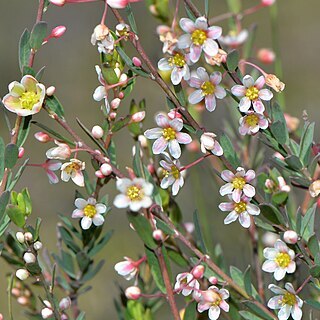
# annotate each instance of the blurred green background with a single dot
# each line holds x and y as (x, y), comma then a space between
(70, 65)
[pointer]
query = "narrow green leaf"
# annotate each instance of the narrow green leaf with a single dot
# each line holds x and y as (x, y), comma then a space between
(229, 151)
(24, 49)
(68, 239)
(100, 245)
(92, 271)
(198, 232)
(234, 6)
(11, 155)
(313, 303)
(18, 175)
(294, 163)
(2, 150)
(131, 19)
(54, 106)
(24, 130)
(307, 224)
(38, 33)
(280, 131)
(4, 200)
(247, 281)
(233, 60)
(120, 123)
(81, 316)
(313, 245)
(191, 311)
(272, 214)
(306, 143)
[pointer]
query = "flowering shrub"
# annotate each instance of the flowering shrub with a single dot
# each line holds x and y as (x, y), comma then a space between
(202, 67)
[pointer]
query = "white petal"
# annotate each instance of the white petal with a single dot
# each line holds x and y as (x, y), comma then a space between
(249, 190)
(265, 94)
(219, 92)
(227, 175)
(244, 219)
(187, 25)
(86, 223)
(238, 90)
(226, 206)
(270, 253)
(231, 217)
(184, 41)
(248, 81)
(201, 23)
(279, 273)
(210, 47)
(284, 312)
(214, 32)
(121, 201)
(269, 266)
(99, 93)
(275, 302)
(164, 65)
(203, 74)
(77, 213)
(253, 209)
(98, 220)
(183, 138)
(154, 133)
(195, 97)
(214, 313)
(226, 189)
(162, 120)
(176, 76)
(296, 312)
(174, 149)
(101, 208)
(159, 145)
(210, 102)
(245, 104)
(80, 203)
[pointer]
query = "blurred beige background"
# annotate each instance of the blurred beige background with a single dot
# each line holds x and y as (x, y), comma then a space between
(70, 67)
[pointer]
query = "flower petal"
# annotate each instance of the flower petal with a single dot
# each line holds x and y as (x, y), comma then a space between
(121, 201)
(249, 190)
(231, 217)
(269, 266)
(226, 189)
(214, 313)
(214, 32)
(195, 52)
(183, 138)
(187, 25)
(260, 82)
(153, 133)
(159, 145)
(174, 149)
(265, 94)
(279, 273)
(244, 219)
(98, 220)
(195, 97)
(227, 175)
(210, 47)
(86, 223)
(248, 81)
(162, 120)
(238, 90)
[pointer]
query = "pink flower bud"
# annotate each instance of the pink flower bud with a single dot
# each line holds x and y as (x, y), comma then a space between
(137, 62)
(112, 115)
(57, 32)
(290, 237)
(97, 132)
(267, 3)
(133, 293)
(143, 141)
(115, 103)
(21, 152)
(29, 257)
(22, 274)
(46, 313)
(269, 184)
(28, 236)
(121, 95)
(42, 137)
(151, 168)
(23, 300)
(213, 280)
(58, 3)
(106, 169)
(99, 174)
(138, 116)
(266, 56)
(174, 114)
(1, 316)
(198, 271)
(65, 303)
(158, 235)
(37, 245)
(15, 292)
(50, 91)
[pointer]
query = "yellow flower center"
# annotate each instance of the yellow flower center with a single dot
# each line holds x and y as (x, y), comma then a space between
(207, 88)
(198, 37)
(72, 167)
(252, 93)
(89, 211)
(29, 99)
(282, 259)
(175, 172)
(177, 60)
(214, 298)
(169, 134)
(240, 207)
(252, 120)
(134, 193)
(238, 183)
(289, 299)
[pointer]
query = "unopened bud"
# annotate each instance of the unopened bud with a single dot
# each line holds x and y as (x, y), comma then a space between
(99, 174)
(15, 292)
(50, 91)
(28, 236)
(58, 3)
(269, 184)
(46, 313)
(20, 237)
(213, 280)
(37, 245)
(42, 137)
(266, 56)
(158, 235)
(137, 62)
(100, 32)
(29, 257)
(115, 103)
(269, 239)
(133, 293)
(314, 188)
(273, 82)
(106, 169)
(65, 303)
(22, 274)
(123, 78)
(57, 32)
(117, 71)
(97, 132)
(138, 116)
(267, 3)
(290, 237)
(151, 168)
(112, 115)
(121, 95)
(174, 114)
(198, 271)
(23, 300)
(1, 316)
(21, 152)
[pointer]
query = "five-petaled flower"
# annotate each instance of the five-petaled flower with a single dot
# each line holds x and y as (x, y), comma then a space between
(252, 93)
(208, 88)
(287, 301)
(240, 210)
(168, 135)
(238, 183)
(61, 152)
(213, 300)
(252, 122)
(128, 268)
(234, 39)
(100, 92)
(199, 37)
(135, 194)
(26, 97)
(73, 170)
(280, 260)
(186, 284)
(90, 211)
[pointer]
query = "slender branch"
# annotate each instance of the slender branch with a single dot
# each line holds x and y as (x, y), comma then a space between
(193, 8)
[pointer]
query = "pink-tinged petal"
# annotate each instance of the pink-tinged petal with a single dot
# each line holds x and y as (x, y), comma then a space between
(64, 176)
(275, 289)
(203, 306)
(248, 81)
(159, 145)
(99, 94)
(164, 164)
(238, 90)
(29, 83)
(195, 97)
(258, 106)
(260, 82)
(176, 124)
(167, 181)
(210, 47)
(249, 190)
(253, 209)
(292, 254)
(203, 74)
(224, 294)
(53, 165)
(214, 32)
(217, 150)
(201, 23)
(275, 303)
(98, 220)
(162, 120)
(121, 201)
(215, 77)
(299, 302)
(124, 267)
(269, 266)
(154, 133)
(174, 149)
(289, 287)
(226, 189)
(227, 175)
(195, 82)
(224, 306)
(11, 102)
(244, 219)
(279, 273)
(78, 179)
(236, 195)
(176, 75)
(243, 130)
(296, 312)
(186, 72)
(265, 94)
(183, 138)
(226, 206)
(187, 25)
(210, 102)
(53, 178)
(164, 65)
(263, 123)
(219, 92)
(245, 104)
(86, 223)
(284, 312)
(101, 208)
(281, 246)
(77, 213)
(195, 53)
(184, 41)
(250, 175)
(231, 217)
(270, 253)
(214, 313)
(291, 267)
(80, 203)
(16, 88)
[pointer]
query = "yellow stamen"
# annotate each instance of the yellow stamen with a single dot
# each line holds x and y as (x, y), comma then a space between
(169, 134)
(177, 60)
(198, 37)
(240, 207)
(282, 259)
(29, 99)
(207, 88)
(252, 120)
(89, 211)
(289, 299)
(175, 172)
(238, 182)
(252, 93)
(72, 167)
(134, 193)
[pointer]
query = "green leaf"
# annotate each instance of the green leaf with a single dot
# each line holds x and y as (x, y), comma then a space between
(83, 261)
(313, 303)
(131, 19)
(315, 271)
(249, 316)
(40, 73)
(18, 175)
(198, 232)
(16, 215)
(38, 33)
(68, 239)
(306, 143)
(280, 131)
(28, 71)
(307, 223)
(229, 151)
(24, 49)
(2, 150)
(11, 155)
(234, 6)
(92, 271)
(191, 311)
(4, 225)
(233, 60)
(120, 124)
(164, 227)
(55, 106)
(4, 200)
(237, 276)
(177, 258)
(263, 225)
(313, 245)
(180, 94)
(279, 197)
(258, 311)
(294, 162)
(24, 130)
(81, 316)
(272, 213)
(100, 245)
(247, 281)
(137, 163)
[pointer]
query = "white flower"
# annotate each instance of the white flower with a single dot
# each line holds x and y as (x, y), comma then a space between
(287, 301)
(234, 39)
(73, 170)
(178, 63)
(208, 88)
(252, 123)
(238, 183)
(128, 268)
(186, 284)
(280, 260)
(168, 135)
(90, 211)
(173, 176)
(135, 194)
(213, 300)
(101, 93)
(240, 210)
(199, 37)
(252, 92)
(100, 32)
(208, 142)
(61, 152)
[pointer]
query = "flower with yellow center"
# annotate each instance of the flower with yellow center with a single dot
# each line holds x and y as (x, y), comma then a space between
(25, 98)
(252, 93)
(252, 123)
(234, 39)
(280, 260)
(89, 211)
(73, 170)
(186, 284)
(134, 193)
(198, 37)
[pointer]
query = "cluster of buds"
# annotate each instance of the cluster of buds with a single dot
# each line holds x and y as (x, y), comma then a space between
(21, 293)
(47, 312)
